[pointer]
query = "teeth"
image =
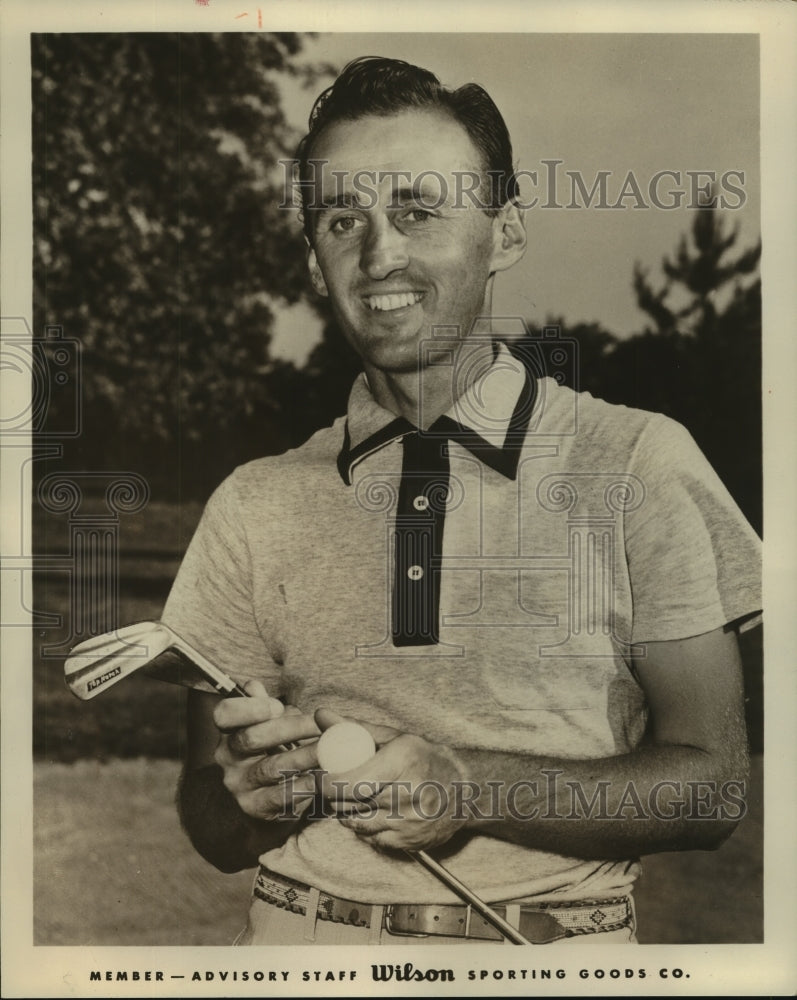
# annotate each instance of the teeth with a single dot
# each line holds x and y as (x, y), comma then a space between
(396, 301)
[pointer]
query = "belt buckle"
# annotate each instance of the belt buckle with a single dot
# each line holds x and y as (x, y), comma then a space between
(399, 933)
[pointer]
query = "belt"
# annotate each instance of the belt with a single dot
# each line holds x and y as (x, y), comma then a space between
(540, 923)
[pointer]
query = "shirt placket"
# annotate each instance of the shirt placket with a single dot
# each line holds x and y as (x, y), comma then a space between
(418, 547)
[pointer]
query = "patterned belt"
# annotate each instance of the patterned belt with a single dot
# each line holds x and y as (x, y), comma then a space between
(540, 923)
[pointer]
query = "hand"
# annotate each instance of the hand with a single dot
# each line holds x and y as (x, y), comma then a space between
(406, 797)
(268, 783)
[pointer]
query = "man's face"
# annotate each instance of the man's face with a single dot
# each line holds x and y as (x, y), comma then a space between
(395, 258)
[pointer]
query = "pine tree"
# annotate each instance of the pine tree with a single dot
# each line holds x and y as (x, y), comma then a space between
(699, 359)
(699, 272)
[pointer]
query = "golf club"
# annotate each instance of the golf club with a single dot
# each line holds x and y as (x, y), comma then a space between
(98, 663)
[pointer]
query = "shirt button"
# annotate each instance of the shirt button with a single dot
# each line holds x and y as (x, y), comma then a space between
(420, 503)
(415, 572)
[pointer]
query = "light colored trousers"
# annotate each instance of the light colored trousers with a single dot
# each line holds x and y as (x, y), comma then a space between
(272, 925)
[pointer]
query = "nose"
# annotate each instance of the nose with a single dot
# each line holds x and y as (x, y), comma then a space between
(384, 250)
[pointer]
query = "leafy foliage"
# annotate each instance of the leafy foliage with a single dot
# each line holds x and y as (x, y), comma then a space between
(159, 240)
(703, 270)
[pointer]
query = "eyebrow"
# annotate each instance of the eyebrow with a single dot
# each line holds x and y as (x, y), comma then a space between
(399, 195)
(416, 193)
(344, 199)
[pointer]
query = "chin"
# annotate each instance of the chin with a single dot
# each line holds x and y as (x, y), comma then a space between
(393, 349)
(393, 362)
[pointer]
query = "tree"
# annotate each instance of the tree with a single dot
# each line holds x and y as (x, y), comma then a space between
(160, 243)
(699, 360)
(704, 272)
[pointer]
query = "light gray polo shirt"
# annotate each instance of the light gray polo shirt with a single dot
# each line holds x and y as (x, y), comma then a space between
(611, 530)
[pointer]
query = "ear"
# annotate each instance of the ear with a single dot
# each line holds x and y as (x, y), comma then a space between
(509, 237)
(316, 277)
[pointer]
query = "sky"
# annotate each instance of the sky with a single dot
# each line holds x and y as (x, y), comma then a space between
(640, 103)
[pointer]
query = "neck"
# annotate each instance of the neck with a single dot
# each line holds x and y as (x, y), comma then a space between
(425, 393)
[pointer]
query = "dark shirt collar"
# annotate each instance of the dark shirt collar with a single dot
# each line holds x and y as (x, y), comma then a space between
(490, 419)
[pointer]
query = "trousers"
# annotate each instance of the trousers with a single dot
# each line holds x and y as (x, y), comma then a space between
(274, 925)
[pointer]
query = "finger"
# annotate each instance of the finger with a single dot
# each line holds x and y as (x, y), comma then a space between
(381, 734)
(234, 713)
(384, 835)
(392, 840)
(268, 736)
(274, 769)
(346, 793)
(325, 718)
(365, 826)
(286, 800)
(255, 689)
(293, 710)
(365, 800)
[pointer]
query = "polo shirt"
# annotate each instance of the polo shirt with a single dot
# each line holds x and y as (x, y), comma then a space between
(565, 533)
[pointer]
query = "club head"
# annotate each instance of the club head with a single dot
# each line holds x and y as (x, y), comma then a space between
(98, 663)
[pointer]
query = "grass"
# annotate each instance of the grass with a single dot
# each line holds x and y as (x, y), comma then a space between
(113, 867)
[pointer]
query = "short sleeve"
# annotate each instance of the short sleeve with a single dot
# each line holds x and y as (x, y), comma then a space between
(694, 560)
(210, 603)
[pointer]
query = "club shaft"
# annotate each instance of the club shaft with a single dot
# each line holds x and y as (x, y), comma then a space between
(510, 933)
(443, 874)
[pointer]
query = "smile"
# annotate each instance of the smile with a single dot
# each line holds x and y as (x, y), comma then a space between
(397, 300)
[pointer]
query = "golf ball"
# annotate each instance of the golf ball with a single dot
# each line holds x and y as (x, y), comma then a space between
(345, 746)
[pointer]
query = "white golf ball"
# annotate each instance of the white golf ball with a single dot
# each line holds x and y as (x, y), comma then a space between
(345, 746)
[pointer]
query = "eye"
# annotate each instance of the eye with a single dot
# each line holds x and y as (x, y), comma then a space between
(345, 224)
(419, 215)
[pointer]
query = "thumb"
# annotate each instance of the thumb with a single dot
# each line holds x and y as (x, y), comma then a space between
(255, 689)
(325, 717)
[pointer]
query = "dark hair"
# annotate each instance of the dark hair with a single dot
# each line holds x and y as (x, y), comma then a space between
(373, 85)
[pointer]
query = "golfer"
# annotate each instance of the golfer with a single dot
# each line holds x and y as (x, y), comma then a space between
(529, 597)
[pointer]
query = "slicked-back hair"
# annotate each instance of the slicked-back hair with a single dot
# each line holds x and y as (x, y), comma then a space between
(373, 85)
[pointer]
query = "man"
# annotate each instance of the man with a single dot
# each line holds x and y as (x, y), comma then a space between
(528, 596)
